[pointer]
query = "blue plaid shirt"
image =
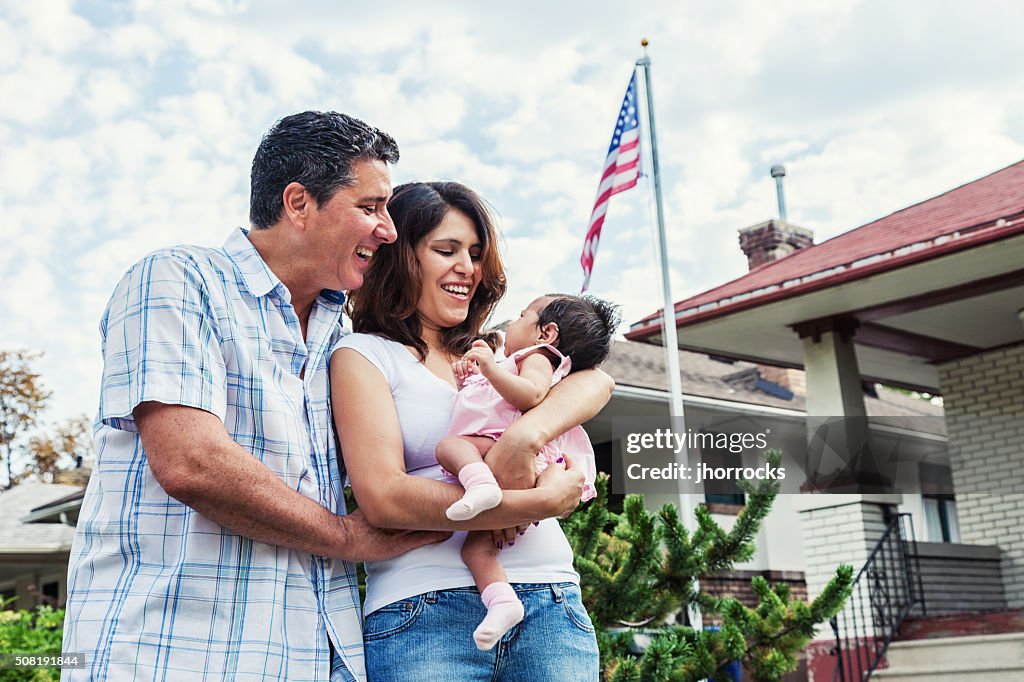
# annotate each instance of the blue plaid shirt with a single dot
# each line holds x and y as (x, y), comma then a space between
(157, 591)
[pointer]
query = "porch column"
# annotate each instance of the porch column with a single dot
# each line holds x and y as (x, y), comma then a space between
(833, 379)
(835, 528)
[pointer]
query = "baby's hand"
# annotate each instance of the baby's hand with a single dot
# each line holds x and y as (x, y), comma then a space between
(463, 369)
(482, 355)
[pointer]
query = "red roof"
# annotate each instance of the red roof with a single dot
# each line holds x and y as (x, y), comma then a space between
(980, 211)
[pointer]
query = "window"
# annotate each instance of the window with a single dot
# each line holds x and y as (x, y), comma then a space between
(51, 592)
(605, 463)
(724, 492)
(940, 518)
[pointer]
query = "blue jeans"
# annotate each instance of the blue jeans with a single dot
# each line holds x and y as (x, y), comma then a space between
(430, 637)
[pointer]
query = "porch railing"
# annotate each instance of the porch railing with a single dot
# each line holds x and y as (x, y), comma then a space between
(885, 591)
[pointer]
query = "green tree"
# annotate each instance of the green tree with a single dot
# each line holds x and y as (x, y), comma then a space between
(22, 399)
(638, 568)
(31, 632)
(51, 452)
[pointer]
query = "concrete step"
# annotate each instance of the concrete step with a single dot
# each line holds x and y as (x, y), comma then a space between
(931, 674)
(976, 657)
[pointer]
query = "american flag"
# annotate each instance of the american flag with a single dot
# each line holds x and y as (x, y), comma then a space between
(621, 170)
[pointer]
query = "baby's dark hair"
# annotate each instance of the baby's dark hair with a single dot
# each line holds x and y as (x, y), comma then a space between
(586, 325)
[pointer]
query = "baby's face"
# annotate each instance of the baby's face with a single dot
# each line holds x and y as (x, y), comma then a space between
(524, 331)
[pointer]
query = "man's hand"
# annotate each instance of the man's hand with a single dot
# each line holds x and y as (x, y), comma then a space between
(364, 542)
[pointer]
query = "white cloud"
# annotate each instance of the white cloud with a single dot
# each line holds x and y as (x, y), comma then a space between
(26, 285)
(10, 45)
(52, 25)
(36, 92)
(131, 41)
(531, 264)
(451, 160)
(411, 110)
(133, 129)
(107, 94)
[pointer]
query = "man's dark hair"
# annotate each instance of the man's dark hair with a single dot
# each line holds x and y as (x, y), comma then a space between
(317, 150)
(586, 325)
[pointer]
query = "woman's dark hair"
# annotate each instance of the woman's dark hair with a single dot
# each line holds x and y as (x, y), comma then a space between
(586, 325)
(315, 149)
(386, 302)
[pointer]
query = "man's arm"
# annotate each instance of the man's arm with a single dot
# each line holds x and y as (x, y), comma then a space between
(392, 498)
(574, 400)
(195, 461)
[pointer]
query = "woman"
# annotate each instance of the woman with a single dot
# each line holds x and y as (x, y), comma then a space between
(422, 303)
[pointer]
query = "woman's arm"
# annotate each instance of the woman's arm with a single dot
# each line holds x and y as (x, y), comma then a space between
(371, 443)
(576, 398)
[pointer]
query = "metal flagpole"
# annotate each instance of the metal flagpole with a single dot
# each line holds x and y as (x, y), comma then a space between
(668, 316)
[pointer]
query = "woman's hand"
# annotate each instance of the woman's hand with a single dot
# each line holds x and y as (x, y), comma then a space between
(565, 485)
(564, 482)
(507, 536)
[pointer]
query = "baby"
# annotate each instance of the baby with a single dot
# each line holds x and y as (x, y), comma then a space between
(555, 335)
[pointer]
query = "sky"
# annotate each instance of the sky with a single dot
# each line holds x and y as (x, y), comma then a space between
(129, 126)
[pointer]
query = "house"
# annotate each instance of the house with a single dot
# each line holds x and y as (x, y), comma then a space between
(930, 299)
(37, 526)
(722, 393)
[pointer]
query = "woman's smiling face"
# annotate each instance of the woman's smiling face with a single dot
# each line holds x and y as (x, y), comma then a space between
(449, 259)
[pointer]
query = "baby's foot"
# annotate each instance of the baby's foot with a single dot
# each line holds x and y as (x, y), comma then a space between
(502, 615)
(478, 498)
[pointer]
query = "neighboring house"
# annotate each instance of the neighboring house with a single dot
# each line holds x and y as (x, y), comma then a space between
(930, 298)
(37, 525)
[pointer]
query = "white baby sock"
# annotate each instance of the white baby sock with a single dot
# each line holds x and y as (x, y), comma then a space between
(504, 610)
(482, 492)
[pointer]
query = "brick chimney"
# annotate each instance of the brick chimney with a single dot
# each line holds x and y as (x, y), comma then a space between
(763, 243)
(772, 240)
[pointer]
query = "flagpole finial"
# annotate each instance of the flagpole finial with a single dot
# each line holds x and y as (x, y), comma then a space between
(645, 59)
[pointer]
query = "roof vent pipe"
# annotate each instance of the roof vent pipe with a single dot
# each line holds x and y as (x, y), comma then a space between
(779, 172)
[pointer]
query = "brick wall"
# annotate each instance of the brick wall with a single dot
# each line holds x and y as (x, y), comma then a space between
(984, 403)
(960, 578)
(842, 534)
(771, 240)
(839, 533)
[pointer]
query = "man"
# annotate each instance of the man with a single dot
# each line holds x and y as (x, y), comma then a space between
(212, 541)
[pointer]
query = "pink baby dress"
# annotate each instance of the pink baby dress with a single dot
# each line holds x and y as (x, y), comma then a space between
(481, 411)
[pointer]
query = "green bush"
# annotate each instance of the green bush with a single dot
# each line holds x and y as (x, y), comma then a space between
(640, 569)
(31, 632)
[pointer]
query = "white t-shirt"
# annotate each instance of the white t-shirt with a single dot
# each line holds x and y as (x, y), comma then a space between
(423, 402)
